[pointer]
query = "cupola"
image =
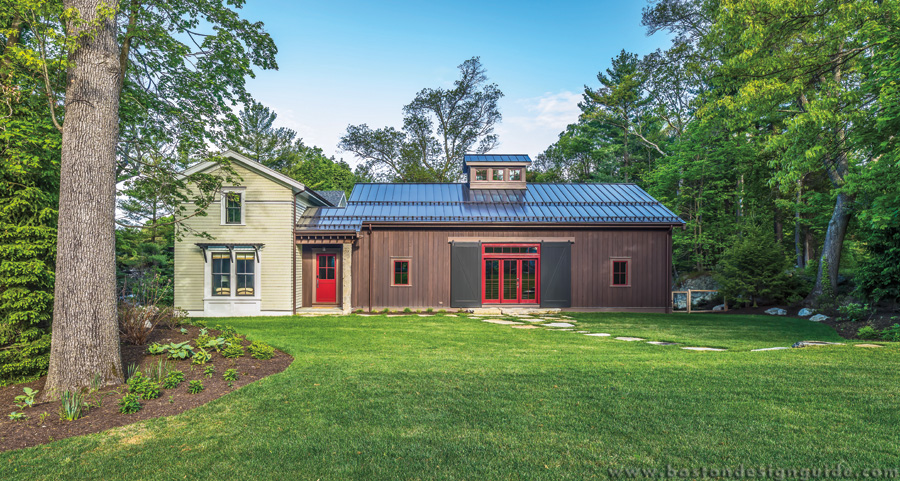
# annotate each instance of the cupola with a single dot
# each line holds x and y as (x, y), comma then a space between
(495, 171)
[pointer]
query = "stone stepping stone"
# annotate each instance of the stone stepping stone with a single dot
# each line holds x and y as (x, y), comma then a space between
(598, 334)
(662, 343)
(525, 327)
(702, 349)
(451, 315)
(582, 332)
(816, 343)
(867, 345)
(769, 349)
(500, 321)
(560, 329)
(365, 315)
(629, 339)
(426, 315)
(559, 324)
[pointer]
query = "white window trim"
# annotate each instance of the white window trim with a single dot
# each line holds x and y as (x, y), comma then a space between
(233, 190)
(257, 278)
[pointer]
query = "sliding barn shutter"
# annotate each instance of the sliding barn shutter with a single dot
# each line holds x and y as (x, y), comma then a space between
(556, 274)
(465, 274)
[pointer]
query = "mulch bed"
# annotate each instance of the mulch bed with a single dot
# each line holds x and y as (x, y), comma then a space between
(32, 432)
(845, 329)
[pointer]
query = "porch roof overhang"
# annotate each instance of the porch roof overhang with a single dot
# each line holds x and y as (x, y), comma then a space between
(325, 237)
(204, 246)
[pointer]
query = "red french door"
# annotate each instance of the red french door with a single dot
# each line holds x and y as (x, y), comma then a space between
(507, 280)
(326, 282)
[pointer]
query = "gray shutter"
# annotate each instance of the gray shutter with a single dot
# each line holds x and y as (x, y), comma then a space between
(556, 274)
(465, 274)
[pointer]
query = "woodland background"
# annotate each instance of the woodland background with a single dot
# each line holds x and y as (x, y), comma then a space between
(769, 126)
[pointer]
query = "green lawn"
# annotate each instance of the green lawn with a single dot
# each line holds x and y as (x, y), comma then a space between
(454, 398)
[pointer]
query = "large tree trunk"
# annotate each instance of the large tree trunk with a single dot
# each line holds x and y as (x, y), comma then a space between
(831, 250)
(85, 340)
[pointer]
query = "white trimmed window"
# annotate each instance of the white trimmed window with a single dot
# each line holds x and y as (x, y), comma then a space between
(233, 275)
(233, 207)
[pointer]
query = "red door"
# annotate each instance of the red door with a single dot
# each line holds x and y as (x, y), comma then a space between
(326, 283)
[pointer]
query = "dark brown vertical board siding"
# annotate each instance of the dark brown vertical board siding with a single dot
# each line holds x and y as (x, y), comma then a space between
(429, 253)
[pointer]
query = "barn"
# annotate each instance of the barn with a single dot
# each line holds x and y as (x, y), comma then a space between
(494, 240)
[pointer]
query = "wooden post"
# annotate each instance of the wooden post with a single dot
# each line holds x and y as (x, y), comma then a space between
(689, 301)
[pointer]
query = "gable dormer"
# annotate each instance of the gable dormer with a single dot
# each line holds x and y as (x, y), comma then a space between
(492, 171)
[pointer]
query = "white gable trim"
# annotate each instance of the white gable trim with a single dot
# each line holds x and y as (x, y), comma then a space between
(257, 167)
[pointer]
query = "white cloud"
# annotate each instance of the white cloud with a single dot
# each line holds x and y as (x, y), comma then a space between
(536, 122)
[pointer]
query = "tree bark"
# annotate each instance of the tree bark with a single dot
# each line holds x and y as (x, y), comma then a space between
(85, 339)
(831, 249)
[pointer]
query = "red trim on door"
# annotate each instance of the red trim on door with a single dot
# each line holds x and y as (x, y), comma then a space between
(326, 279)
(509, 262)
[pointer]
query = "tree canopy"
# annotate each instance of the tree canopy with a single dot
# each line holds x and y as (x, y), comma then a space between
(439, 127)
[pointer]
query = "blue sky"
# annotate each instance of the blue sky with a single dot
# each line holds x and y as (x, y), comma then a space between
(349, 62)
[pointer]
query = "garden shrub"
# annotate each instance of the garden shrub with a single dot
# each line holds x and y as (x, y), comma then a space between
(130, 403)
(755, 268)
(200, 357)
(891, 333)
(233, 349)
(173, 379)
(867, 332)
(261, 350)
(230, 375)
(195, 387)
(855, 312)
(143, 386)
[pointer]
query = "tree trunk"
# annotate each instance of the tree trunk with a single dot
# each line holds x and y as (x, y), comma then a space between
(831, 249)
(85, 340)
(798, 249)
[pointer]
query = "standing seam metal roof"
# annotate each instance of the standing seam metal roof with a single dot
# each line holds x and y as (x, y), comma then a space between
(456, 203)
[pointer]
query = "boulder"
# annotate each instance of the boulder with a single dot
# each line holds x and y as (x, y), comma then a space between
(806, 312)
(819, 318)
(776, 311)
(720, 307)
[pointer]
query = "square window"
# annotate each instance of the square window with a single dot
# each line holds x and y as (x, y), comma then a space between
(498, 174)
(480, 174)
(401, 273)
(620, 273)
(515, 174)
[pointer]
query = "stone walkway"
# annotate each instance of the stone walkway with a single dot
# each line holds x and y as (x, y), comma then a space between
(559, 322)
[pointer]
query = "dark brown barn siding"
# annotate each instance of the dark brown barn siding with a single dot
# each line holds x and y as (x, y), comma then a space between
(429, 252)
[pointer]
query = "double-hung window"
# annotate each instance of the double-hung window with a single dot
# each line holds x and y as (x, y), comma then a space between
(221, 274)
(244, 273)
(497, 174)
(481, 174)
(233, 208)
